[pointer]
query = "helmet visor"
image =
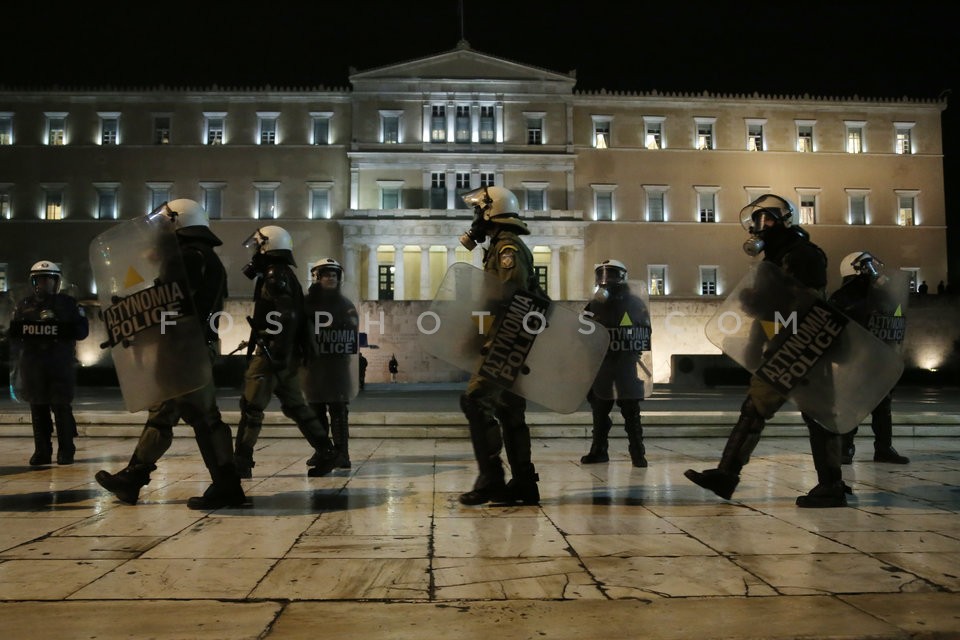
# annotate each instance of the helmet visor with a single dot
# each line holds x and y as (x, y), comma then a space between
(256, 241)
(478, 198)
(607, 275)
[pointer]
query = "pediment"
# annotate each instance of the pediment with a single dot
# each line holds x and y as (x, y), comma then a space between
(462, 63)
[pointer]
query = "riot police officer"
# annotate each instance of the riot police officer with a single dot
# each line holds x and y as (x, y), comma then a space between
(331, 376)
(278, 334)
(207, 282)
(863, 297)
(496, 416)
(617, 378)
(769, 220)
(44, 330)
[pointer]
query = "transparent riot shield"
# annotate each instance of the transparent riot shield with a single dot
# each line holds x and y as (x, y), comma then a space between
(479, 325)
(332, 373)
(156, 340)
(889, 296)
(627, 369)
(830, 367)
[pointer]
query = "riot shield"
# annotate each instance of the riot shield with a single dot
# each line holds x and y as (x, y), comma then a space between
(487, 328)
(889, 296)
(155, 338)
(626, 372)
(332, 373)
(832, 368)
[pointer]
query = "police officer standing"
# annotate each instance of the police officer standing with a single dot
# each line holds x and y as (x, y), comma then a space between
(496, 416)
(863, 296)
(627, 318)
(45, 329)
(330, 376)
(769, 220)
(207, 282)
(278, 334)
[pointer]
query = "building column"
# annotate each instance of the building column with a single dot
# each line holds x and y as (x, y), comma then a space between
(451, 256)
(451, 178)
(354, 188)
(398, 292)
(575, 274)
(425, 290)
(373, 273)
(553, 281)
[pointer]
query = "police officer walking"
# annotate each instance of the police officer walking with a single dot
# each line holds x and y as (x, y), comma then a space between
(769, 220)
(44, 330)
(627, 318)
(495, 415)
(863, 297)
(278, 334)
(207, 282)
(331, 377)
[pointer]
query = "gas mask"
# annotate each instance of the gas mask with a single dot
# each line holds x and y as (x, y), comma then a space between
(255, 267)
(869, 268)
(477, 233)
(753, 246)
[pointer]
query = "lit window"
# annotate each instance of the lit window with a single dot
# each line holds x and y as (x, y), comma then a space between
(56, 129)
(161, 130)
(904, 137)
(6, 211)
(653, 132)
(855, 137)
(808, 209)
(390, 195)
(6, 129)
(462, 124)
(805, 136)
(4, 281)
(438, 123)
(906, 208)
(707, 205)
(705, 132)
(858, 209)
(214, 125)
(708, 281)
(657, 279)
(53, 204)
(321, 127)
(268, 128)
(109, 129)
(601, 132)
(536, 199)
(488, 126)
(755, 135)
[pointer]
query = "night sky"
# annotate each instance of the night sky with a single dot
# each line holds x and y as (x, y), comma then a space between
(879, 49)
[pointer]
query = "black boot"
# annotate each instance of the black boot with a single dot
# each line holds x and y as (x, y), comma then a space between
(487, 442)
(826, 448)
(323, 460)
(631, 418)
(247, 433)
(225, 491)
(66, 432)
(489, 486)
(740, 444)
(883, 450)
(340, 426)
(848, 448)
(42, 432)
(522, 487)
(126, 483)
(599, 446)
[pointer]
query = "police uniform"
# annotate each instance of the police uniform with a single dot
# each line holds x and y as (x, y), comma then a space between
(45, 330)
(336, 376)
(861, 300)
(274, 367)
(789, 248)
(618, 373)
(207, 281)
(496, 416)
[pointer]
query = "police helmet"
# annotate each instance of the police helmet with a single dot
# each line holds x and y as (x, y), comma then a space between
(326, 264)
(190, 219)
(48, 269)
(767, 206)
(272, 241)
(610, 272)
(860, 262)
(498, 205)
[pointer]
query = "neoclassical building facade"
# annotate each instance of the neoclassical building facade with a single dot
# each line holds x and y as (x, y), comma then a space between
(371, 174)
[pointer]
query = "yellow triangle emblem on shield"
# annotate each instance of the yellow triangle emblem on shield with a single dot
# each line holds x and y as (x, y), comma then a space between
(769, 328)
(133, 278)
(625, 321)
(898, 312)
